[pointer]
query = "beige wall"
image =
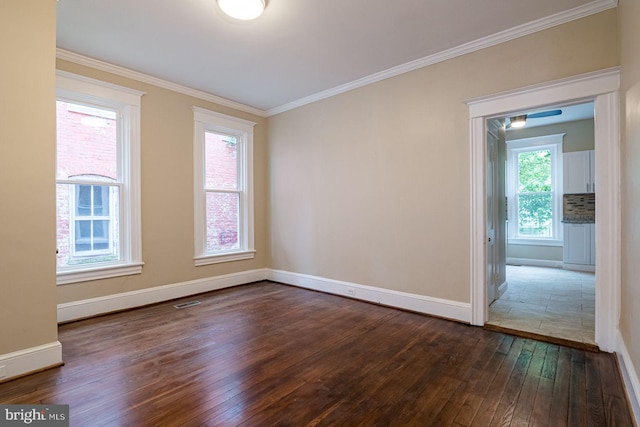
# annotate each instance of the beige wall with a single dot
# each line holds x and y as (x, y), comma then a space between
(27, 189)
(629, 14)
(167, 192)
(579, 137)
(372, 186)
(579, 134)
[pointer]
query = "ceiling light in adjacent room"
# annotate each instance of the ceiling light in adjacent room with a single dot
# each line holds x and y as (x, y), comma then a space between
(245, 10)
(518, 121)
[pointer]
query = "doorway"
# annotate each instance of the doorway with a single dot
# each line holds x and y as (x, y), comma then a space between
(547, 231)
(600, 87)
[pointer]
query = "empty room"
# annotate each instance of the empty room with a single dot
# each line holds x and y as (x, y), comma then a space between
(278, 212)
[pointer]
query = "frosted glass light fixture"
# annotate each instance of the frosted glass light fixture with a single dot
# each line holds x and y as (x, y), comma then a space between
(245, 10)
(518, 121)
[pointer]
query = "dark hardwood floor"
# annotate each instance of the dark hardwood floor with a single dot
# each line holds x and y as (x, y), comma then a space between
(272, 355)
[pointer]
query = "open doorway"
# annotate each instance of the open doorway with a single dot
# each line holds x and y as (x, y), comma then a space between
(545, 194)
(601, 87)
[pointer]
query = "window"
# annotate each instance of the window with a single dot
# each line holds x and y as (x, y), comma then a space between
(223, 166)
(534, 190)
(94, 221)
(97, 179)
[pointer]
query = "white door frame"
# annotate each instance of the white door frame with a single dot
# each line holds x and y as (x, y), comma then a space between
(601, 87)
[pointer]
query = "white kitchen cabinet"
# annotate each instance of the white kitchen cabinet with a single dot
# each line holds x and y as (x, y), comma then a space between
(579, 250)
(579, 172)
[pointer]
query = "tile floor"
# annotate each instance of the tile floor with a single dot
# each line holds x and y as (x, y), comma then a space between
(547, 301)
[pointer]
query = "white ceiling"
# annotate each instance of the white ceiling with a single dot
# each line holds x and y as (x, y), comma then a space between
(296, 49)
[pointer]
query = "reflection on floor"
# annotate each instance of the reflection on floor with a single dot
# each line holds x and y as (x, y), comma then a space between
(547, 301)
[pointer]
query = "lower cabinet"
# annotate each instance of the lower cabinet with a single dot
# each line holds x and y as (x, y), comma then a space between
(579, 245)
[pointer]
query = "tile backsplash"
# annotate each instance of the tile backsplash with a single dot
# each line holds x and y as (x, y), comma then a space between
(579, 208)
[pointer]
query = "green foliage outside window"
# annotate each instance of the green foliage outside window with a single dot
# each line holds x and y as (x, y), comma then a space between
(535, 204)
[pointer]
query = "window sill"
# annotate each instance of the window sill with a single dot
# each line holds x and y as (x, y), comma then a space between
(225, 257)
(95, 273)
(535, 242)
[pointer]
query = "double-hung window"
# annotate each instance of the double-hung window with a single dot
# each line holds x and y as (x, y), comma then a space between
(223, 171)
(97, 179)
(534, 190)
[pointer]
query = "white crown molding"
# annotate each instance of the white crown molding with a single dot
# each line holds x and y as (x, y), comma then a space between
(145, 78)
(588, 9)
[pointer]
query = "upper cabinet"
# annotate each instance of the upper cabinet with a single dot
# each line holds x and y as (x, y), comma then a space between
(579, 172)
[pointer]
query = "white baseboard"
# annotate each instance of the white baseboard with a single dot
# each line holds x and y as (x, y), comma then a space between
(30, 360)
(580, 267)
(106, 304)
(418, 303)
(630, 377)
(534, 262)
(503, 288)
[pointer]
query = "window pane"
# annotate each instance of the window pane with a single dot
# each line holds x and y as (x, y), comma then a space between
(83, 200)
(83, 236)
(534, 171)
(535, 214)
(222, 221)
(100, 200)
(83, 231)
(86, 238)
(100, 230)
(86, 142)
(221, 161)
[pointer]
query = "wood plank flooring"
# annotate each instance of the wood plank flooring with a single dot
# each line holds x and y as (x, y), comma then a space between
(272, 355)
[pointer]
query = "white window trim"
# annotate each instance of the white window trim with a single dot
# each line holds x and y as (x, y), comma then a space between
(127, 102)
(204, 121)
(554, 143)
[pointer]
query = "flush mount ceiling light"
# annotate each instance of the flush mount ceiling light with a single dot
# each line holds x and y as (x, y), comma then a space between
(518, 121)
(245, 10)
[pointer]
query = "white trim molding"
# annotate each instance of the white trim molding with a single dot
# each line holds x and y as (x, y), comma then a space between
(601, 87)
(146, 78)
(419, 303)
(30, 360)
(534, 262)
(110, 303)
(503, 288)
(591, 8)
(515, 147)
(582, 11)
(210, 121)
(94, 306)
(630, 377)
(126, 103)
(579, 267)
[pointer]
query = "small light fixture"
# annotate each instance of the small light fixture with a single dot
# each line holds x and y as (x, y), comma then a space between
(244, 10)
(518, 121)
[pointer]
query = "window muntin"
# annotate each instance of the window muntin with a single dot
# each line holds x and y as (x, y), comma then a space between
(534, 190)
(223, 156)
(97, 179)
(94, 223)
